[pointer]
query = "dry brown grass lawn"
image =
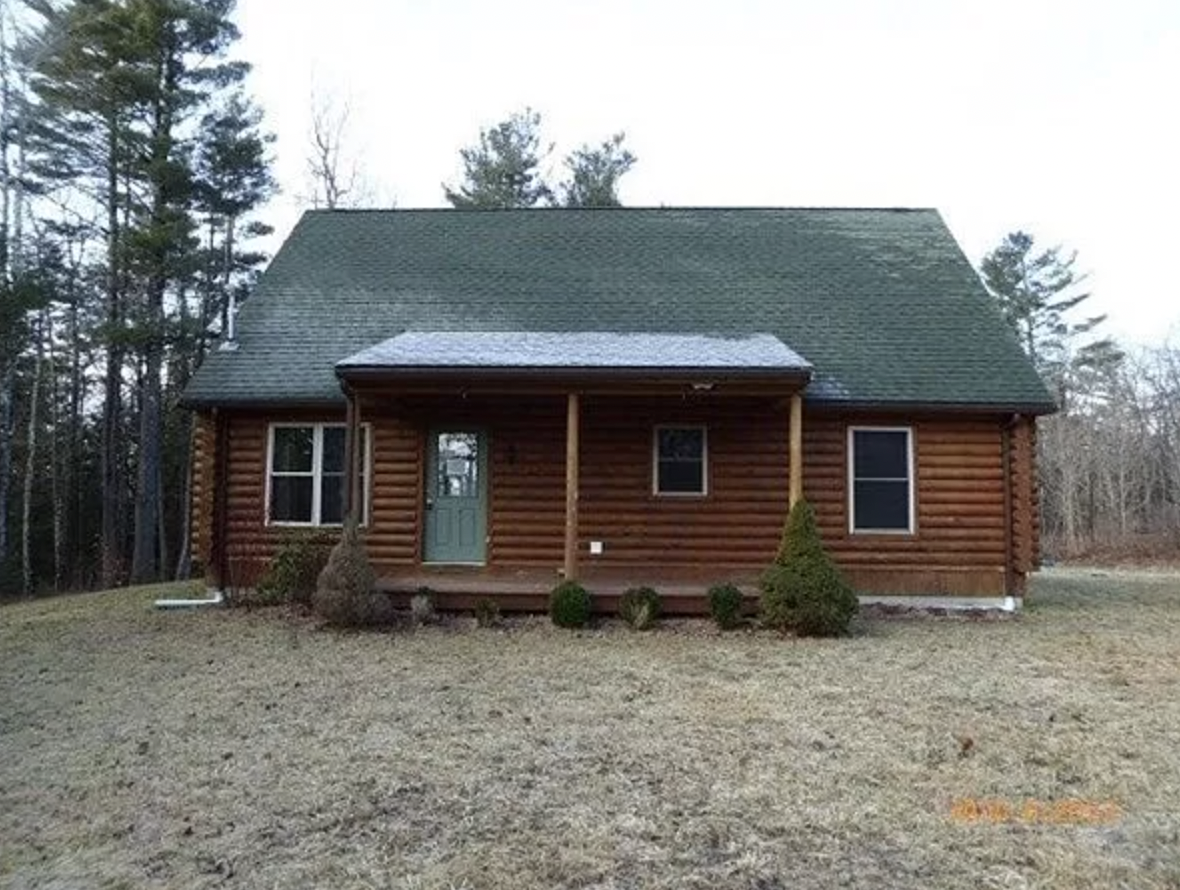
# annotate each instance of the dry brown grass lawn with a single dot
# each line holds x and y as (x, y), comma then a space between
(251, 750)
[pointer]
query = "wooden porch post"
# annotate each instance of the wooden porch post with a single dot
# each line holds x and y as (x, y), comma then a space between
(353, 508)
(570, 567)
(796, 456)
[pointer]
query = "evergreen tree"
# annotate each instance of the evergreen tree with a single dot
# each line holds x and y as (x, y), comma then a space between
(137, 125)
(233, 180)
(594, 174)
(503, 170)
(803, 589)
(1036, 292)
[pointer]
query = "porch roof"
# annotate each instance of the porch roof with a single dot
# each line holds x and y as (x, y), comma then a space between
(578, 351)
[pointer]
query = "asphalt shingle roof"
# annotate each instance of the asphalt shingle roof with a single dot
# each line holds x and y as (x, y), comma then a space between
(883, 303)
(592, 350)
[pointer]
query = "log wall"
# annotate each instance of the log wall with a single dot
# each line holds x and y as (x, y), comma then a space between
(201, 502)
(737, 523)
(958, 547)
(1026, 526)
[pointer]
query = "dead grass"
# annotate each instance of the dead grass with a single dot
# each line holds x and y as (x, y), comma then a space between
(250, 750)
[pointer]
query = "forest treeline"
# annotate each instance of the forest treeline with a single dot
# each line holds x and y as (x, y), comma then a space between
(136, 170)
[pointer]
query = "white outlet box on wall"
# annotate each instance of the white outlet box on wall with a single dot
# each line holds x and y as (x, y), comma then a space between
(596, 548)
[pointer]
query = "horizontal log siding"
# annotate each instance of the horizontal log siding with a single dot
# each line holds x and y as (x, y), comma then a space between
(393, 535)
(203, 483)
(1026, 531)
(527, 519)
(738, 523)
(526, 470)
(958, 545)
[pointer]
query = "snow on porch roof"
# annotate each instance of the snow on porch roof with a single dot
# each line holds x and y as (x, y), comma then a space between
(521, 350)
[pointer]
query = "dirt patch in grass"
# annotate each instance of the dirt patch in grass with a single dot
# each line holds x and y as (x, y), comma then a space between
(252, 750)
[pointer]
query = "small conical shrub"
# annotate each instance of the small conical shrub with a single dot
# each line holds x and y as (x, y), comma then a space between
(803, 590)
(344, 594)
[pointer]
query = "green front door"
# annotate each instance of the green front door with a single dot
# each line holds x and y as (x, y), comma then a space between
(456, 496)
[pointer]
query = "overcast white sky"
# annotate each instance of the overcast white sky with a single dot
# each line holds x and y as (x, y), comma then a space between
(1061, 118)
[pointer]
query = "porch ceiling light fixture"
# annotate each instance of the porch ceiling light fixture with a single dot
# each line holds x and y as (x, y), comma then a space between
(702, 386)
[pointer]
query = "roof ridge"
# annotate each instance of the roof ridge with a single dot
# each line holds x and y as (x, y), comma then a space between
(647, 208)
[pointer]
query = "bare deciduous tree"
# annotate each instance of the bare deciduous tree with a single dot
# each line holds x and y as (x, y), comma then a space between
(334, 174)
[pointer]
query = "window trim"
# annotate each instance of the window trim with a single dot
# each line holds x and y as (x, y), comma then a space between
(655, 460)
(912, 527)
(317, 472)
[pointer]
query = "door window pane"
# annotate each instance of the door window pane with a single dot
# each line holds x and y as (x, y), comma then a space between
(457, 465)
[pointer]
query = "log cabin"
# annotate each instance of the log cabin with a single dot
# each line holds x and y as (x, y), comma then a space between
(506, 398)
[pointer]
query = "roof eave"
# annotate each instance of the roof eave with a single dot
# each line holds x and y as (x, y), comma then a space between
(1036, 409)
(207, 403)
(793, 379)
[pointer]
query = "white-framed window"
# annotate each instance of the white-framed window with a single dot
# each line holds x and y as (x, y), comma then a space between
(305, 465)
(680, 460)
(881, 480)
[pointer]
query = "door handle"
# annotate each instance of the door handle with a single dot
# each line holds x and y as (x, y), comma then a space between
(430, 503)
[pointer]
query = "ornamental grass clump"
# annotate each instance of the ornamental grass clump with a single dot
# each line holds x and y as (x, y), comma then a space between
(569, 605)
(803, 590)
(487, 612)
(344, 595)
(639, 607)
(725, 605)
(422, 609)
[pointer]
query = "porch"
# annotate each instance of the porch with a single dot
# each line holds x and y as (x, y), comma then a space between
(683, 591)
(589, 457)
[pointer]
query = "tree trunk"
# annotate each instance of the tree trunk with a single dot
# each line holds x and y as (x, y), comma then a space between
(112, 406)
(6, 433)
(31, 466)
(147, 490)
(73, 488)
(54, 464)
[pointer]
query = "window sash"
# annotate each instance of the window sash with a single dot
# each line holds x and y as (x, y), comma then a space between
(680, 463)
(870, 510)
(318, 478)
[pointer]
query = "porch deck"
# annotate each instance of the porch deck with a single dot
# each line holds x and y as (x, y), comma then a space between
(459, 588)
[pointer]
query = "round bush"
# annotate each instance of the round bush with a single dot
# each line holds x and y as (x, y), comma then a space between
(639, 607)
(725, 605)
(569, 604)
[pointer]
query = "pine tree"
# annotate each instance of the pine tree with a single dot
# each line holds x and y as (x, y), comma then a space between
(503, 170)
(120, 88)
(803, 590)
(594, 174)
(1037, 292)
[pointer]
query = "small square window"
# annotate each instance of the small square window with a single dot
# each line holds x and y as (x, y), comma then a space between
(681, 454)
(881, 497)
